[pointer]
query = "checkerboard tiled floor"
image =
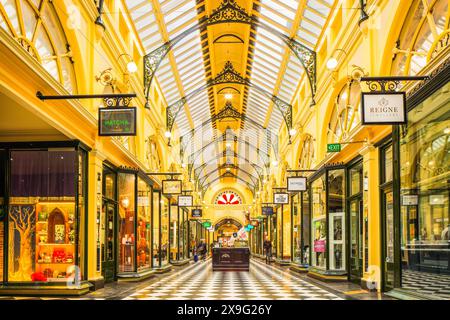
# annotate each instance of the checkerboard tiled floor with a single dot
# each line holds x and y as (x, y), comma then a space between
(426, 283)
(262, 282)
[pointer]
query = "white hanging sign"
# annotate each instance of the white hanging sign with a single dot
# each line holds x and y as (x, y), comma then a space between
(383, 108)
(296, 184)
(185, 201)
(281, 198)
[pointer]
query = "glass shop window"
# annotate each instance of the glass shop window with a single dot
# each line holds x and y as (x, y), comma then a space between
(336, 218)
(296, 228)
(164, 231)
(3, 209)
(319, 230)
(286, 233)
(144, 225)
(156, 224)
(174, 232)
(126, 185)
(43, 218)
(305, 228)
(425, 185)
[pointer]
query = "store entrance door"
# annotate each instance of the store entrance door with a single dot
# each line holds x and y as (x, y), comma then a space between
(356, 239)
(108, 250)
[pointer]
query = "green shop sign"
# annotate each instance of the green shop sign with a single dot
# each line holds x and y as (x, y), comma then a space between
(207, 224)
(334, 147)
(117, 121)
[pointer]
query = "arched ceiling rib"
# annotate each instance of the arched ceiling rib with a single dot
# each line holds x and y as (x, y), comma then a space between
(255, 53)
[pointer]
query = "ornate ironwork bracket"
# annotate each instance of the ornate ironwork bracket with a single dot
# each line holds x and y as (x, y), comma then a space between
(390, 83)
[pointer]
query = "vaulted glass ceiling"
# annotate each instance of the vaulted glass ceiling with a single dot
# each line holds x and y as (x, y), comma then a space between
(259, 56)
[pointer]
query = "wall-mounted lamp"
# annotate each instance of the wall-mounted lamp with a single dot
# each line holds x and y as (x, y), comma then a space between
(106, 77)
(332, 65)
(100, 26)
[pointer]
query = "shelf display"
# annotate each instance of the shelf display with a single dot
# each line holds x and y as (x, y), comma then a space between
(42, 228)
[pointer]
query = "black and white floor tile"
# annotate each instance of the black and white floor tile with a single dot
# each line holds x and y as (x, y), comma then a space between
(426, 283)
(262, 282)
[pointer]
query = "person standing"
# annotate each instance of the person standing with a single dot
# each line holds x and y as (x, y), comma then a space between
(268, 250)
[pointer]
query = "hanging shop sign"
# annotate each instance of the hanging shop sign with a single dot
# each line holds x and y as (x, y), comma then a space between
(207, 224)
(281, 198)
(171, 186)
(117, 121)
(296, 184)
(196, 213)
(334, 147)
(384, 108)
(410, 200)
(185, 201)
(437, 200)
(267, 211)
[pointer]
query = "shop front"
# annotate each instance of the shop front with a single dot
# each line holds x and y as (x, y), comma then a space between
(161, 213)
(300, 231)
(178, 236)
(283, 238)
(43, 218)
(416, 219)
(328, 235)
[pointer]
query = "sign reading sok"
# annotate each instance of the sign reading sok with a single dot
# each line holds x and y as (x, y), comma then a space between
(383, 108)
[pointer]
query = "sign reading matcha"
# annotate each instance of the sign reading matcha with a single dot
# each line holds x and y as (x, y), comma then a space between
(117, 121)
(334, 147)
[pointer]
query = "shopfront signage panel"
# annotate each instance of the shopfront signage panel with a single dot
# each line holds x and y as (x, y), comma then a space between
(171, 187)
(281, 198)
(117, 121)
(296, 184)
(185, 201)
(319, 245)
(410, 200)
(383, 108)
(267, 211)
(196, 213)
(334, 147)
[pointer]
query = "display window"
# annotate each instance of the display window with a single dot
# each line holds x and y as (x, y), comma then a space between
(3, 210)
(319, 230)
(174, 233)
(306, 222)
(296, 229)
(286, 231)
(126, 221)
(144, 225)
(46, 215)
(156, 228)
(424, 205)
(107, 235)
(165, 211)
(279, 232)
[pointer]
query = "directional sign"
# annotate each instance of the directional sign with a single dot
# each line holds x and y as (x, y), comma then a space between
(334, 147)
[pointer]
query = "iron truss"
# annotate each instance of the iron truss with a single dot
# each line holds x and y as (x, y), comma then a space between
(229, 175)
(228, 76)
(224, 166)
(228, 136)
(226, 113)
(230, 12)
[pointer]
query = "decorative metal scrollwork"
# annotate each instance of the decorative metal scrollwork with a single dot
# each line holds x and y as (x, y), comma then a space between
(228, 11)
(387, 85)
(117, 102)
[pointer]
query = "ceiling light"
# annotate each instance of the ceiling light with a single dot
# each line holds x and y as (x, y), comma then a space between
(447, 130)
(332, 63)
(132, 67)
(183, 165)
(168, 134)
(228, 96)
(292, 132)
(228, 145)
(228, 169)
(264, 181)
(274, 163)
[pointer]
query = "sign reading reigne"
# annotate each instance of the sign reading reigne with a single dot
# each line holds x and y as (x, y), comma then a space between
(296, 184)
(117, 121)
(185, 201)
(281, 198)
(383, 108)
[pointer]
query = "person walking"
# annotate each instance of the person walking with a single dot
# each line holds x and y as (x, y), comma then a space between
(201, 250)
(268, 250)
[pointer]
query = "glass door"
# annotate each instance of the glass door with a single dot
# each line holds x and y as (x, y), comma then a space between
(356, 239)
(389, 267)
(108, 247)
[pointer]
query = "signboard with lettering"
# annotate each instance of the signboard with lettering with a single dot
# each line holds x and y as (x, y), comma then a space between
(185, 201)
(207, 224)
(171, 187)
(296, 184)
(196, 213)
(319, 245)
(281, 198)
(117, 121)
(334, 147)
(267, 211)
(410, 200)
(383, 108)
